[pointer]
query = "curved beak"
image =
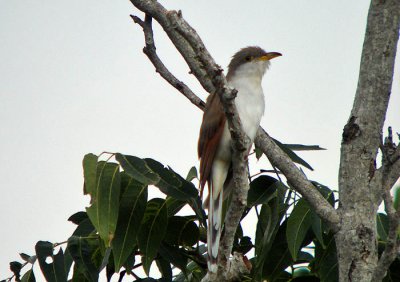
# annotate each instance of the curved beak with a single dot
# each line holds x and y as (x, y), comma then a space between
(270, 55)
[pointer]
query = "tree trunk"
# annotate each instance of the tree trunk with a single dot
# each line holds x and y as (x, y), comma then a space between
(360, 184)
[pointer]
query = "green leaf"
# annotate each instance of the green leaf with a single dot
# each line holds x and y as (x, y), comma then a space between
(396, 197)
(137, 169)
(261, 190)
(174, 205)
(301, 272)
(130, 261)
(298, 224)
(283, 276)
(78, 276)
(81, 251)
(382, 224)
(53, 271)
(197, 206)
(292, 155)
(194, 273)
(304, 257)
(192, 174)
(278, 258)
(267, 227)
(106, 258)
(85, 228)
(78, 217)
(67, 261)
(165, 269)
(24, 256)
(245, 245)
(152, 230)
(171, 183)
(326, 192)
(28, 258)
(174, 255)
(29, 276)
(326, 265)
(151, 172)
(270, 216)
(110, 267)
(263, 230)
(16, 267)
(181, 231)
(89, 173)
(300, 147)
(316, 225)
(131, 211)
(103, 212)
(258, 152)
(393, 273)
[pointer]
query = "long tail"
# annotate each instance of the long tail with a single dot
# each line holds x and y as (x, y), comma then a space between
(214, 229)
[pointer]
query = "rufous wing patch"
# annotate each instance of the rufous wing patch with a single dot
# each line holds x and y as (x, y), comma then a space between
(211, 131)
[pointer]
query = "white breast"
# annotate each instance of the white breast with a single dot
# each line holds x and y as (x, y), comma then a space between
(250, 99)
(249, 102)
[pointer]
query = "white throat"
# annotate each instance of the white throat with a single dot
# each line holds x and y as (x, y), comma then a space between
(253, 71)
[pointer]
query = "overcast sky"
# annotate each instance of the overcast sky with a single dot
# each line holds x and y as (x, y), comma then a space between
(74, 80)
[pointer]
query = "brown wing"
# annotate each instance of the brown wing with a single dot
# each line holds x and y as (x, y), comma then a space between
(211, 131)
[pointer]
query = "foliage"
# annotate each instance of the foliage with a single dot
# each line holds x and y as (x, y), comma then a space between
(123, 229)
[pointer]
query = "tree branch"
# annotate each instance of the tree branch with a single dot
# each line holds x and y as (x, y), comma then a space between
(389, 173)
(160, 14)
(297, 179)
(390, 169)
(394, 172)
(151, 53)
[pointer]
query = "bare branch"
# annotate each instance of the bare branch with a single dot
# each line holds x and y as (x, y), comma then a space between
(297, 179)
(390, 169)
(393, 174)
(160, 14)
(150, 51)
(389, 173)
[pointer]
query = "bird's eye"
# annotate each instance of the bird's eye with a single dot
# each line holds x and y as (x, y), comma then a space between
(248, 58)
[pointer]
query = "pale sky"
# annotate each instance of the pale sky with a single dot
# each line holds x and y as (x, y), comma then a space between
(74, 80)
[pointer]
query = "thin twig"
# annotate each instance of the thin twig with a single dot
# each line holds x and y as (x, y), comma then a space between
(151, 53)
(10, 278)
(59, 244)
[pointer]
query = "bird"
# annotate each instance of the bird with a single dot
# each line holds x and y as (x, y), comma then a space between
(245, 73)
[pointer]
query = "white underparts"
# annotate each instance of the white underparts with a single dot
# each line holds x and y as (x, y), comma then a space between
(250, 105)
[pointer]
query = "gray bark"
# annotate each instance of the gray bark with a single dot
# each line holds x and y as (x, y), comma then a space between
(360, 184)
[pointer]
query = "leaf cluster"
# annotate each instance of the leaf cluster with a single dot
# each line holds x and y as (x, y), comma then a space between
(123, 230)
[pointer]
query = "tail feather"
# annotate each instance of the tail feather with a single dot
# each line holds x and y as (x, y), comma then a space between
(214, 229)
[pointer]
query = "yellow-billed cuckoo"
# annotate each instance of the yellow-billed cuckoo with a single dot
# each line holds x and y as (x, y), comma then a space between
(245, 73)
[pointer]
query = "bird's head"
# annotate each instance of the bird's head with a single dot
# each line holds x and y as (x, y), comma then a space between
(250, 61)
